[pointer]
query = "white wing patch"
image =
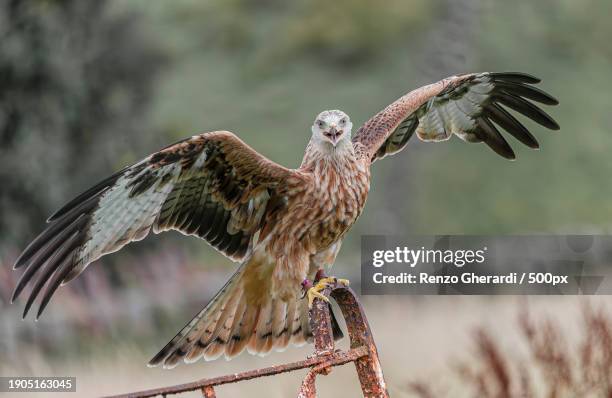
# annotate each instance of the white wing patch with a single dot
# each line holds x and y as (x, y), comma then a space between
(121, 219)
(446, 116)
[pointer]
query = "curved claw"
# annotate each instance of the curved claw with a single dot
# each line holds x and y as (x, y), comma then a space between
(315, 291)
(343, 282)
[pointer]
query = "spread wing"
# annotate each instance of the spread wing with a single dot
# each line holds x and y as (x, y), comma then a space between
(212, 185)
(469, 106)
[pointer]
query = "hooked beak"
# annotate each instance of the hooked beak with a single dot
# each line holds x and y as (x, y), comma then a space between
(333, 134)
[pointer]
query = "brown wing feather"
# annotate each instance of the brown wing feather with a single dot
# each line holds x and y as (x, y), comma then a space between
(469, 106)
(373, 134)
(211, 185)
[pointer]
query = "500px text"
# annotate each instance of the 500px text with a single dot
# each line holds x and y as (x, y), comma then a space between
(472, 278)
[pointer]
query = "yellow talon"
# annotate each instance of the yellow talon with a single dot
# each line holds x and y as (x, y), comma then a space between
(313, 293)
(343, 282)
(322, 284)
(332, 280)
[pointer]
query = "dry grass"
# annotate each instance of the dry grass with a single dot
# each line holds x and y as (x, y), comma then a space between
(555, 367)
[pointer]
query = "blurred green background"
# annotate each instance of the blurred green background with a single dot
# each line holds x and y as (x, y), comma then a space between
(87, 87)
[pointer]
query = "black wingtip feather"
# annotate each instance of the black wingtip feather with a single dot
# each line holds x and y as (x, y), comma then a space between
(45, 252)
(527, 91)
(506, 154)
(509, 123)
(527, 109)
(66, 251)
(519, 77)
(494, 140)
(55, 282)
(55, 227)
(513, 86)
(96, 190)
(26, 309)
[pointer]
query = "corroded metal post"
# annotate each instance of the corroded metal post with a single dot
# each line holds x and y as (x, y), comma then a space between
(368, 367)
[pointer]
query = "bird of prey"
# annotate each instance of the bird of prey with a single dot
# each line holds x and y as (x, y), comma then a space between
(281, 225)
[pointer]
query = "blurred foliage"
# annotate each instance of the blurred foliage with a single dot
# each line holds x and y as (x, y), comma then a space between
(75, 82)
(351, 31)
(344, 32)
(554, 367)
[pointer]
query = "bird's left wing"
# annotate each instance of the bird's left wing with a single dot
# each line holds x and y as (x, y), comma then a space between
(211, 185)
(469, 106)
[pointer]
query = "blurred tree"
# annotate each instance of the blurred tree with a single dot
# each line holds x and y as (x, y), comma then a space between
(75, 82)
(342, 33)
(350, 32)
(448, 48)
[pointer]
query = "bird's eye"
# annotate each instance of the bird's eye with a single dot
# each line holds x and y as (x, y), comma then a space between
(320, 123)
(342, 121)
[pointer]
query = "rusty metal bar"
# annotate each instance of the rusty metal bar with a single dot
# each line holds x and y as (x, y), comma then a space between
(208, 392)
(335, 359)
(308, 388)
(363, 353)
(368, 367)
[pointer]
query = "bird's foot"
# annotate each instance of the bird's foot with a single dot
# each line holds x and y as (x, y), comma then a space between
(321, 275)
(313, 292)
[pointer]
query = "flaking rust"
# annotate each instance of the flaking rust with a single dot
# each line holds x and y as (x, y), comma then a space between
(362, 352)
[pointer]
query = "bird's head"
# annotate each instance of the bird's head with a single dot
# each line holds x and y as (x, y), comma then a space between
(332, 128)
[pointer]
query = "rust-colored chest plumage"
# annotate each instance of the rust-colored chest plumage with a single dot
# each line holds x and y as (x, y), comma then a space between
(335, 200)
(321, 205)
(320, 202)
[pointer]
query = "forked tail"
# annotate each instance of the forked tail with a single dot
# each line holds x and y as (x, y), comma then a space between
(230, 323)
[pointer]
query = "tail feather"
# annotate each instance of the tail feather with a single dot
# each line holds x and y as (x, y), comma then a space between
(223, 322)
(213, 351)
(178, 347)
(287, 327)
(303, 332)
(230, 323)
(258, 343)
(225, 319)
(279, 322)
(245, 329)
(236, 343)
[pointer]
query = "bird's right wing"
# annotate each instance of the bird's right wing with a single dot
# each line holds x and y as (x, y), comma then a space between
(211, 185)
(468, 106)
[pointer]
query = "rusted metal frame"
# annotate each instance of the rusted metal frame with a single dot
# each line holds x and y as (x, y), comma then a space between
(368, 367)
(323, 336)
(308, 388)
(208, 392)
(335, 359)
